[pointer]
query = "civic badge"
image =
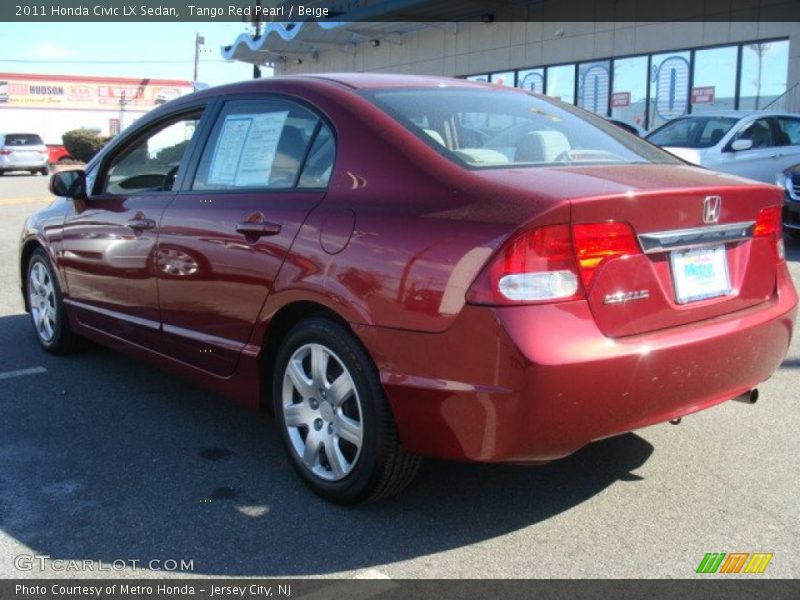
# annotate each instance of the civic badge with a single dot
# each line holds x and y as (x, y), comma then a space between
(712, 206)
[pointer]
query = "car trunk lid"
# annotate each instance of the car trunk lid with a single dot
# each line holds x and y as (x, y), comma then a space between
(701, 256)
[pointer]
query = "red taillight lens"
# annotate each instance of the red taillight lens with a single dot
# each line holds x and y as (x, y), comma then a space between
(768, 221)
(5, 152)
(597, 243)
(534, 266)
(548, 264)
(770, 224)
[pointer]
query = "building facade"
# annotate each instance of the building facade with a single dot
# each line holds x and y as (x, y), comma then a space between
(50, 105)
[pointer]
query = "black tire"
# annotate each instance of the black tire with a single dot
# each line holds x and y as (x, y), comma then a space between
(63, 340)
(45, 171)
(381, 467)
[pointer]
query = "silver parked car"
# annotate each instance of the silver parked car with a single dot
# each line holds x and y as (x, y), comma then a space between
(754, 144)
(23, 152)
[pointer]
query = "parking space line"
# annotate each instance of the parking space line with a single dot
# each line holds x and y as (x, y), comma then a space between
(372, 574)
(22, 372)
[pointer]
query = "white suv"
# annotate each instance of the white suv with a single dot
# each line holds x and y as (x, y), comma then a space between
(23, 152)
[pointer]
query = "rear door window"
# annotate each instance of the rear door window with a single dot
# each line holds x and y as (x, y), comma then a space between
(319, 164)
(261, 144)
(788, 132)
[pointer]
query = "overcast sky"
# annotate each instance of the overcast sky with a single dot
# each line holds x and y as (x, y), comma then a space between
(142, 50)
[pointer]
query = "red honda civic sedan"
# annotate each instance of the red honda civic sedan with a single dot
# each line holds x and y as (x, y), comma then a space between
(408, 266)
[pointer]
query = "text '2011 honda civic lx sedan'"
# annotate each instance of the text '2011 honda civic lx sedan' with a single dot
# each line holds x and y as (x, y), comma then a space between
(406, 266)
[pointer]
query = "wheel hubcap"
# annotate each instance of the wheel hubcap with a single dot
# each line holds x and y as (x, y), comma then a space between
(322, 412)
(41, 293)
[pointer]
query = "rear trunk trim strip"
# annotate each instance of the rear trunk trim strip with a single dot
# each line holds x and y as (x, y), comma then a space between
(680, 239)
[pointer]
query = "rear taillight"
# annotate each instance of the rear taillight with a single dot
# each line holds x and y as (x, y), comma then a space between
(597, 243)
(5, 152)
(769, 224)
(548, 264)
(533, 266)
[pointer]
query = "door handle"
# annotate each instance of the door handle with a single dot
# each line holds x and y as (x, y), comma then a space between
(258, 229)
(141, 223)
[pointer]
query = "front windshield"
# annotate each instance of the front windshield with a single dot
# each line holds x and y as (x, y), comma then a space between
(493, 128)
(692, 132)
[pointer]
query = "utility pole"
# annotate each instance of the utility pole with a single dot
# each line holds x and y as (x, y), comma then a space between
(123, 104)
(257, 27)
(199, 40)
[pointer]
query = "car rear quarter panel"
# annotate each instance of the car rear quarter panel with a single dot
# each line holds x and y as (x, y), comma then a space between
(422, 227)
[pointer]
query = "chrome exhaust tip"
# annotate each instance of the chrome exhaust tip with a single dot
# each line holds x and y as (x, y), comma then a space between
(750, 397)
(675, 421)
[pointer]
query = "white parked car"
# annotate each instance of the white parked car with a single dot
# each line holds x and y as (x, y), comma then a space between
(754, 144)
(23, 152)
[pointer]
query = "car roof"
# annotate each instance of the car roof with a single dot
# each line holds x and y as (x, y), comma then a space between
(383, 80)
(353, 81)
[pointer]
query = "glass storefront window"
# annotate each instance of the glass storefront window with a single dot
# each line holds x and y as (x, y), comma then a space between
(594, 81)
(764, 69)
(629, 93)
(669, 87)
(714, 85)
(676, 86)
(503, 78)
(561, 82)
(531, 80)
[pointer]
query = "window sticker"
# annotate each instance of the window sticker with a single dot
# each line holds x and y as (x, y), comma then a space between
(229, 149)
(246, 149)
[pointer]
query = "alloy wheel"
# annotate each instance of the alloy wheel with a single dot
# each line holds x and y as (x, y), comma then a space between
(42, 297)
(322, 412)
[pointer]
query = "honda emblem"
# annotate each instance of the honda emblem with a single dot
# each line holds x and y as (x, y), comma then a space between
(711, 209)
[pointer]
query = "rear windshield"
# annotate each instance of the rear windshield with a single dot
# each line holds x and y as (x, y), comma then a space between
(692, 132)
(23, 139)
(494, 128)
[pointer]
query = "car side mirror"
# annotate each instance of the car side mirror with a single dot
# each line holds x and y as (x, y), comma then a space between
(740, 145)
(71, 184)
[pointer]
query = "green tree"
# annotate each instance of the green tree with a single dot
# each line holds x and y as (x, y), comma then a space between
(82, 144)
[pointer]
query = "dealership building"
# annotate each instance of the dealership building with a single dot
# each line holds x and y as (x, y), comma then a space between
(50, 105)
(619, 58)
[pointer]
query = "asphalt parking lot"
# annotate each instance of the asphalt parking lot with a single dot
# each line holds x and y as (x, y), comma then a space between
(105, 459)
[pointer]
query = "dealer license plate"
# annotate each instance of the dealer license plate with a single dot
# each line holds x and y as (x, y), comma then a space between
(700, 274)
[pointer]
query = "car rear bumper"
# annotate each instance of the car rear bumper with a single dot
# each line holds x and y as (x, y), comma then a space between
(23, 164)
(536, 383)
